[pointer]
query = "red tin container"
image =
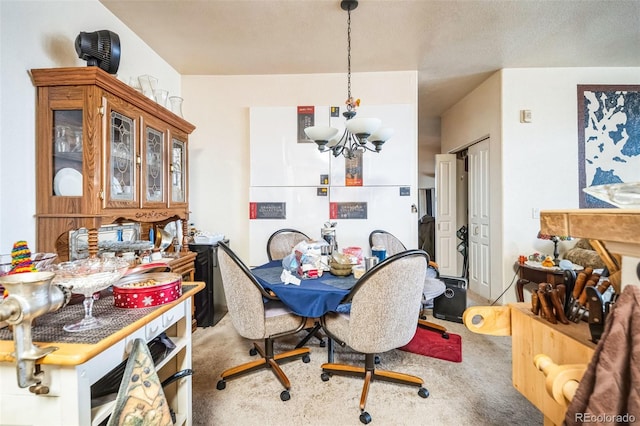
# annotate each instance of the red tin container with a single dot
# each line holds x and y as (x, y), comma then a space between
(146, 290)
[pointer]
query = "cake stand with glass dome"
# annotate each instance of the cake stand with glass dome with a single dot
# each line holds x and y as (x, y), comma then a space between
(86, 277)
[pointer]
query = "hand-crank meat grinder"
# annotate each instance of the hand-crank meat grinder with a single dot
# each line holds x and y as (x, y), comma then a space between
(31, 295)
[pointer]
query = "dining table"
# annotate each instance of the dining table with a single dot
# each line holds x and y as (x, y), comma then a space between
(312, 298)
(315, 297)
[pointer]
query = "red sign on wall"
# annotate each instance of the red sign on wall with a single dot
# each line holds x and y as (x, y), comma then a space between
(333, 210)
(268, 210)
(306, 119)
(348, 210)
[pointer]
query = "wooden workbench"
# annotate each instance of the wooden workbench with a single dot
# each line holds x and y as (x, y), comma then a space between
(570, 344)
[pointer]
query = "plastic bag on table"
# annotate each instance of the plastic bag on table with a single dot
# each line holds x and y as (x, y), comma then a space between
(310, 247)
(355, 253)
(305, 260)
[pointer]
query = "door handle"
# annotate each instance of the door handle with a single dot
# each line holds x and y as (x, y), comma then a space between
(475, 230)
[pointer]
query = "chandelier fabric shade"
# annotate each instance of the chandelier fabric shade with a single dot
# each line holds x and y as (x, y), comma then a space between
(359, 132)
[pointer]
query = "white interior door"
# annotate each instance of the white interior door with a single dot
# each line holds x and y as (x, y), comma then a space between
(446, 214)
(479, 247)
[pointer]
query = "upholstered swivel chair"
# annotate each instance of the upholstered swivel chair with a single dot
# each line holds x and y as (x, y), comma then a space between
(432, 288)
(257, 314)
(382, 317)
(282, 241)
(279, 246)
(390, 242)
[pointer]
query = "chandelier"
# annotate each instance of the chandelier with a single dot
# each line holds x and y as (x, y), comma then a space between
(359, 133)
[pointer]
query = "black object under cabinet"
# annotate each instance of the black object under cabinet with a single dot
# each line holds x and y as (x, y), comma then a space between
(210, 303)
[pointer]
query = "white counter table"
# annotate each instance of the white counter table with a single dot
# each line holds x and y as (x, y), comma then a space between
(83, 358)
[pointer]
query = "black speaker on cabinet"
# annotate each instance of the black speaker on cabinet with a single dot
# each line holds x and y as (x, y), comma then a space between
(451, 304)
(210, 303)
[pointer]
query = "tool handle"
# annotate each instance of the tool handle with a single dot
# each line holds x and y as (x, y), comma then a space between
(544, 287)
(580, 283)
(603, 286)
(583, 296)
(535, 303)
(562, 291)
(594, 277)
(557, 305)
(546, 307)
(562, 294)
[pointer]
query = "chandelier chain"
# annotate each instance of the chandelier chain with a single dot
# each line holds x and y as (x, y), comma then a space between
(355, 138)
(349, 59)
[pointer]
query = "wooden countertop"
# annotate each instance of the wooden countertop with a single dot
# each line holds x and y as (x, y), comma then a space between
(76, 353)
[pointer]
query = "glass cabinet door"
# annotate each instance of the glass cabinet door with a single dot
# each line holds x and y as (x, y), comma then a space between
(122, 182)
(154, 166)
(178, 171)
(67, 153)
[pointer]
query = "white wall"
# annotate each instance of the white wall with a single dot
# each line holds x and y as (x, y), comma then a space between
(476, 117)
(41, 34)
(539, 160)
(219, 147)
(428, 147)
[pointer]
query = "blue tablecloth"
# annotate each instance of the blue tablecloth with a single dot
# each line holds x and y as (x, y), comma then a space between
(312, 298)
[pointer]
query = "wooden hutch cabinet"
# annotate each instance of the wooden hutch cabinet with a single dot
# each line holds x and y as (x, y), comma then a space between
(105, 153)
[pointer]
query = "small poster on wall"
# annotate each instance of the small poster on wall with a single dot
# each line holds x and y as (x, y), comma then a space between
(349, 210)
(269, 210)
(353, 170)
(305, 119)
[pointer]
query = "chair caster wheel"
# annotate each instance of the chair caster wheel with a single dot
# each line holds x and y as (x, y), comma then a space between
(423, 317)
(253, 352)
(221, 385)
(284, 395)
(323, 343)
(423, 392)
(365, 418)
(376, 359)
(325, 377)
(445, 336)
(306, 359)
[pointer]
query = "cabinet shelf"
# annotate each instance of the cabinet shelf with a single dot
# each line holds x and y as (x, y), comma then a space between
(75, 157)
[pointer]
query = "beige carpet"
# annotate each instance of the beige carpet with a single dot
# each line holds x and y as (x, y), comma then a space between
(476, 391)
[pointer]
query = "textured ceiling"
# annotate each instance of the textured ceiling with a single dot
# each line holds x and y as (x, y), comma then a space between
(453, 44)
